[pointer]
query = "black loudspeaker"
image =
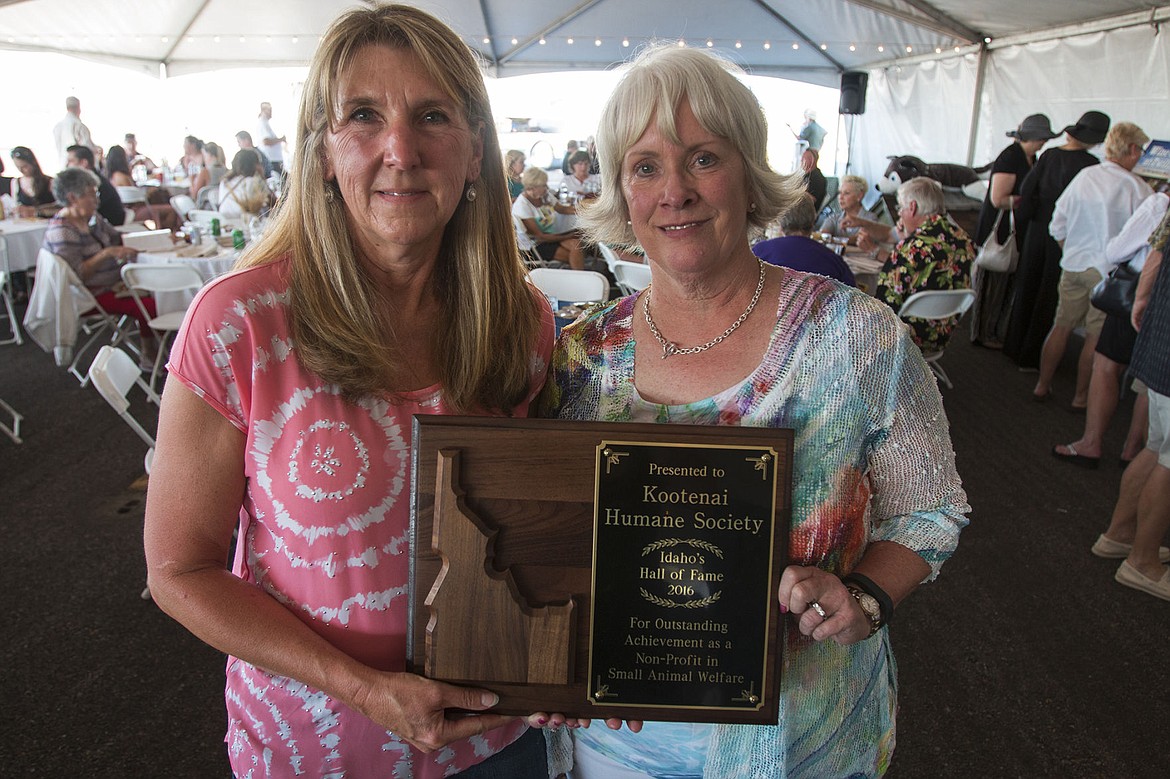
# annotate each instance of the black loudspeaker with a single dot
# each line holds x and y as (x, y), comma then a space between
(853, 85)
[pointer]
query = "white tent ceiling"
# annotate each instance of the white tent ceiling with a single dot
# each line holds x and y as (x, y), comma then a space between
(809, 40)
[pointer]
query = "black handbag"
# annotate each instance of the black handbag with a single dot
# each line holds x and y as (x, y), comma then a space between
(1114, 294)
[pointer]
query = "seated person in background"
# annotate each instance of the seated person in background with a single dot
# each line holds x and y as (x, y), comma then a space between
(244, 191)
(135, 157)
(32, 189)
(935, 254)
(814, 180)
(118, 167)
(95, 251)
(244, 139)
(7, 185)
(513, 166)
(580, 184)
(214, 163)
(110, 205)
(797, 251)
(570, 150)
(191, 163)
(537, 213)
(849, 199)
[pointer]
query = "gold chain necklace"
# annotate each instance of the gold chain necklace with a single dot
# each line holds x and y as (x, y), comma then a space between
(670, 347)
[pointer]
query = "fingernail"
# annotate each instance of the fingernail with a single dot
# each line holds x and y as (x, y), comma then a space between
(542, 720)
(783, 609)
(489, 699)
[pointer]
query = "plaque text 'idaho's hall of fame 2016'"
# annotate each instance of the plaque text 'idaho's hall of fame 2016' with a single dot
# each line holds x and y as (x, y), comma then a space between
(682, 575)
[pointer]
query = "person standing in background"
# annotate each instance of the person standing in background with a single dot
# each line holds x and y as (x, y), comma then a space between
(1091, 210)
(993, 290)
(811, 132)
(71, 131)
(1142, 514)
(1037, 277)
(271, 145)
(814, 180)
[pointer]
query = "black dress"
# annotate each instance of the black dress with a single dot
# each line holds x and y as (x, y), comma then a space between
(993, 291)
(1035, 294)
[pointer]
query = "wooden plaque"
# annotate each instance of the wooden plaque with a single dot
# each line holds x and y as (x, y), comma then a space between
(519, 527)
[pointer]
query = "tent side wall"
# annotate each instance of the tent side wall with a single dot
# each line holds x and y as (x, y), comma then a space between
(924, 108)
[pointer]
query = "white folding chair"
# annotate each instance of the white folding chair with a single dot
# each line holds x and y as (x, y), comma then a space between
(183, 205)
(143, 280)
(935, 305)
(609, 255)
(114, 374)
(6, 293)
(572, 286)
(13, 430)
(62, 310)
(203, 217)
(631, 276)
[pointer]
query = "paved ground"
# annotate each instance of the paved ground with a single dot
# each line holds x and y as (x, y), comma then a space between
(1024, 659)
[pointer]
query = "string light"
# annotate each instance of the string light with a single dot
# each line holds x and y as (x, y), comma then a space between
(487, 40)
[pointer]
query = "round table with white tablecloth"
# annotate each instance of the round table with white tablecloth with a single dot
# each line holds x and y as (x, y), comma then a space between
(209, 268)
(24, 238)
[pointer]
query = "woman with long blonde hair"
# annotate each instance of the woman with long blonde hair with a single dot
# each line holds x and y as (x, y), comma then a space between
(388, 285)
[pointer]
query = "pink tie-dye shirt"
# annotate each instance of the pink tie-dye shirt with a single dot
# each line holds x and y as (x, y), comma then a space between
(323, 530)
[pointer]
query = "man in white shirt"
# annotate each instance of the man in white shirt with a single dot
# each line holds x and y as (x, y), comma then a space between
(71, 131)
(269, 143)
(1093, 208)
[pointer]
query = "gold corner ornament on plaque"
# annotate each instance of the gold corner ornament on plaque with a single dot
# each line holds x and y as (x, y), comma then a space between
(601, 569)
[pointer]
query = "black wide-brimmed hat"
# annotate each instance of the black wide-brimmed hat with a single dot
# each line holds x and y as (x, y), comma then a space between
(1092, 127)
(1036, 127)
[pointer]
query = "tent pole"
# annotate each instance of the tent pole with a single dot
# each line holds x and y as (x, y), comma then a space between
(979, 74)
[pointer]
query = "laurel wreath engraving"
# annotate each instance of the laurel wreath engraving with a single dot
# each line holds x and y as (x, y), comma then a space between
(695, 542)
(690, 604)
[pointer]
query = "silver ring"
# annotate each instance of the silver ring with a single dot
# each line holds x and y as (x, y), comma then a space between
(812, 604)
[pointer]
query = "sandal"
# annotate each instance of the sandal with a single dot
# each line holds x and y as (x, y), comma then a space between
(1071, 456)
